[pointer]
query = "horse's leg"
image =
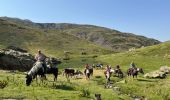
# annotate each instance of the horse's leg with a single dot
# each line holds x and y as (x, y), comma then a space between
(128, 76)
(119, 75)
(133, 77)
(55, 76)
(66, 75)
(36, 78)
(89, 76)
(122, 75)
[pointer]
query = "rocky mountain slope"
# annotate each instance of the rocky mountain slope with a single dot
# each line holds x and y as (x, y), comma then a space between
(67, 36)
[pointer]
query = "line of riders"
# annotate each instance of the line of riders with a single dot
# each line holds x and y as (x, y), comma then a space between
(44, 66)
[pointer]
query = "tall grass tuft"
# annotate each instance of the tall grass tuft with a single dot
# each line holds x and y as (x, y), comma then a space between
(85, 92)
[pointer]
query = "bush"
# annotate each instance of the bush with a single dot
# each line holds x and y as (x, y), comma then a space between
(85, 92)
(3, 84)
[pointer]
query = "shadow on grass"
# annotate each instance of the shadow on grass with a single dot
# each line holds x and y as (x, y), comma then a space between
(63, 87)
(12, 98)
(147, 80)
(98, 76)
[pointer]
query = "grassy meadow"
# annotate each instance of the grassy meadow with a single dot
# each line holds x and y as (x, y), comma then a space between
(55, 42)
(149, 58)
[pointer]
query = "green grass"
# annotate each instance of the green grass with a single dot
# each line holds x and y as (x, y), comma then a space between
(60, 90)
(149, 58)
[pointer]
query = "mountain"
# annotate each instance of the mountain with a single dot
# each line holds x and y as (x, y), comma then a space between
(64, 36)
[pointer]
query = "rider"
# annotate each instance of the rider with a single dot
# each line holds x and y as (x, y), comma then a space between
(132, 65)
(117, 67)
(107, 71)
(87, 72)
(107, 74)
(41, 57)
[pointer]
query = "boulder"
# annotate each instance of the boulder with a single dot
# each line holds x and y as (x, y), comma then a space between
(165, 69)
(155, 74)
(14, 58)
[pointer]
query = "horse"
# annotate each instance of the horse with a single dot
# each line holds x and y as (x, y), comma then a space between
(68, 72)
(134, 72)
(52, 67)
(88, 72)
(78, 73)
(118, 72)
(99, 66)
(38, 69)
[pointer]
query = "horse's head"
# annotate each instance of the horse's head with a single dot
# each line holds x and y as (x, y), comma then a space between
(28, 79)
(140, 70)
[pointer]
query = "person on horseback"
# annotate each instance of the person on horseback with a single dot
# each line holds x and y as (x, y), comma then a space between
(41, 57)
(107, 73)
(87, 71)
(132, 65)
(117, 67)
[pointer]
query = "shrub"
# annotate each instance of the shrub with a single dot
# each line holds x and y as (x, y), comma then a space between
(3, 84)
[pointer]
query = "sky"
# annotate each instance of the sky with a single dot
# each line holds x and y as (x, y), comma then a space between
(150, 18)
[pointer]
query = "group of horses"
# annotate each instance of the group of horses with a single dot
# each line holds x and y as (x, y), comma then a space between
(37, 70)
(130, 72)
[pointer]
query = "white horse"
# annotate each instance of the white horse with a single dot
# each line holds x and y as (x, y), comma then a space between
(37, 69)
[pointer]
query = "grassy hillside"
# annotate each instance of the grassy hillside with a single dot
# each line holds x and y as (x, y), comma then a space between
(149, 58)
(52, 42)
(106, 38)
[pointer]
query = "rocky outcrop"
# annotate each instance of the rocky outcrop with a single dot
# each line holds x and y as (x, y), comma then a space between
(155, 74)
(161, 73)
(13, 58)
(165, 69)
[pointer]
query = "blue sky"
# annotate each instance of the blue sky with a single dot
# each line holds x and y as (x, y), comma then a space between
(150, 18)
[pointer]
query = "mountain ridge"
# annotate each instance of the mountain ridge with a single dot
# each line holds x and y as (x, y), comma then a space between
(104, 37)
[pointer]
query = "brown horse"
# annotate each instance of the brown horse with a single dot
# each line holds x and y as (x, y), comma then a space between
(134, 72)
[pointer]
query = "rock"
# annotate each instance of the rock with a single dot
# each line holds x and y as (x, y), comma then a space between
(16, 49)
(165, 69)
(14, 58)
(155, 74)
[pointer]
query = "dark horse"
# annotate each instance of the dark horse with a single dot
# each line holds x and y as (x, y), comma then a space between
(119, 73)
(69, 72)
(90, 73)
(38, 69)
(134, 72)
